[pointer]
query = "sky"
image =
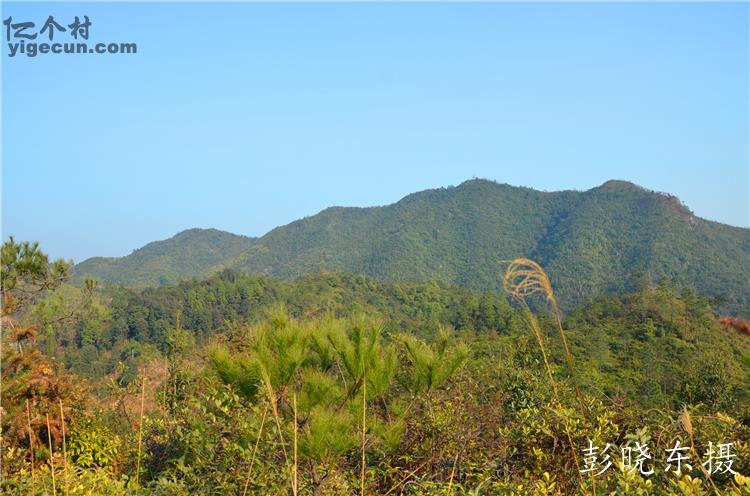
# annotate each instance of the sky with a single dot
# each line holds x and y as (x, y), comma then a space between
(247, 116)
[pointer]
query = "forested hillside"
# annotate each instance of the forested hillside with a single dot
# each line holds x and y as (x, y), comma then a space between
(190, 253)
(610, 239)
(341, 384)
(665, 338)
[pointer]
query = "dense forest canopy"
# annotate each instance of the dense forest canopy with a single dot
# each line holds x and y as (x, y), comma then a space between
(611, 239)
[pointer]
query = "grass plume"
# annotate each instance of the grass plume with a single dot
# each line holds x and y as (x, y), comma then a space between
(525, 278)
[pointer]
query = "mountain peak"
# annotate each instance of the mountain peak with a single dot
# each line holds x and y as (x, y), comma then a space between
(590, 242)
(201, 232)
(619, 184)
(477, 180)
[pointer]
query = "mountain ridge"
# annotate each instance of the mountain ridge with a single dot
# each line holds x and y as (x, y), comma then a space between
(609, 238)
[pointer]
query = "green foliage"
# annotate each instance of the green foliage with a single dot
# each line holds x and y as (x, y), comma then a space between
(240, 372)
(191, 253)
(227, 299)
(328, 434)
(32, 383)
(320, 372)
(431, 364)
(661, 350)
(240, 394)
(363, 356)
(92, 445)
(25, 268)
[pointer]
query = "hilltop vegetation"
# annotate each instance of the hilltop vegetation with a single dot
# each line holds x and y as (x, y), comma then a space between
(191, 253)
(611, 239)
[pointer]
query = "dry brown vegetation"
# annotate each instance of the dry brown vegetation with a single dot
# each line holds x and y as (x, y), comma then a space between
(742, 326)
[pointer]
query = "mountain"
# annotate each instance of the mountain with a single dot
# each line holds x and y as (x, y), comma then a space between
(609, 239)
(191, 253)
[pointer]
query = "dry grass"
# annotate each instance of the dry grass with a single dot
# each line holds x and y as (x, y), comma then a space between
(31, 438)
(140, 433)
(65, 449)
(295, 487)
(273, 400)
(523, 279)
(255, 450)
(364, 431)
(687, 425)
(51, 457)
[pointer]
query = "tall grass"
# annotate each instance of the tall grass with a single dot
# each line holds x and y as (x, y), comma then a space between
(255, 450)
(140, 433)
(31, 438)
(65, 449)
(51, 457)
(273, 400)
(364, 429)
(295, 487)
(523, 279)
(686, 422)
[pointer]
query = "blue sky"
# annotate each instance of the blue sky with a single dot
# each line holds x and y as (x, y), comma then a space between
(246, 116)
